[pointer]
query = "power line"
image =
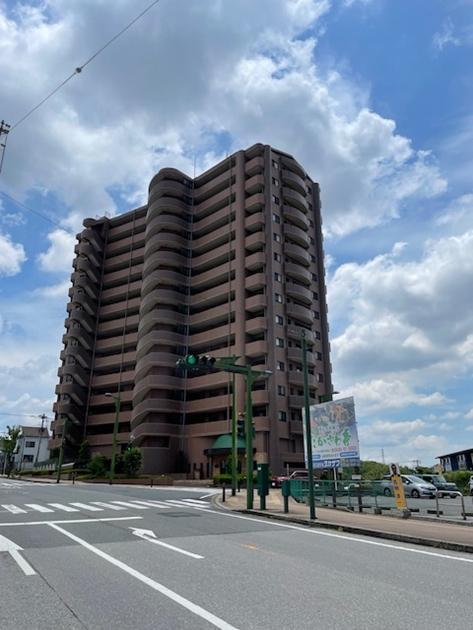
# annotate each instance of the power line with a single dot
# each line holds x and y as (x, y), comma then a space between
(38, 214)
(79, 69)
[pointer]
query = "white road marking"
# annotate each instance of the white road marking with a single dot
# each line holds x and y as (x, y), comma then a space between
(150, 536)
(108, 505)
(127, 504)
(179, 599)
(206, 496)
(90, 508)
(78, 520)
(14, 509)
(13, 549)
(343, 537)
(154, 504)
(38, 508)
(64, 508)
(196, 502)
(179, 503)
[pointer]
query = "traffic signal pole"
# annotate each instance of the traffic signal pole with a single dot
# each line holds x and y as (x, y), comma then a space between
(234, 437)
(249, 438)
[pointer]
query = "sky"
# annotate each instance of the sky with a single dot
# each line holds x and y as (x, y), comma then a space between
(373, 97)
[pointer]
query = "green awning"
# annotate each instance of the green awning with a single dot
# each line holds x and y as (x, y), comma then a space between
(223, 444)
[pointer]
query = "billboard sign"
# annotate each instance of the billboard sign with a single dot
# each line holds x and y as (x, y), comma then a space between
(334, 434)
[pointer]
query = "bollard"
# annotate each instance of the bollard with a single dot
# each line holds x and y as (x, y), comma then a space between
(151, 482)
(463, 507)
(73, 478)
(239, 485)
(223, 493)
(334, 497)
(437, 504)
(286, 505)
(262, 502)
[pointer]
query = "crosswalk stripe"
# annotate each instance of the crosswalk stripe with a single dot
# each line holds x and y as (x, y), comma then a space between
(90, 508)
(38, 508)
(196, 501)
(14, 509)
(155, 504)
(64, 508)
(127, 504)
(108, 505)
(180, 503)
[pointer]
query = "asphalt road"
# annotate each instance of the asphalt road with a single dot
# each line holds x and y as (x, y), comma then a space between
(87, 556)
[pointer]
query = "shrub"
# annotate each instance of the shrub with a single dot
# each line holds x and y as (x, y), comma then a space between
(99, 466)
(461, 478)
(132, 461)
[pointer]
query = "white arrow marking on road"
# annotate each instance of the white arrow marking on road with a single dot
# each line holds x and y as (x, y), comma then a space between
(150, 536)
(13, 549)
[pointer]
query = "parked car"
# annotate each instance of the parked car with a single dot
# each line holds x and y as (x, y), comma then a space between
(277, 480)
(444, 488)
(414, 487)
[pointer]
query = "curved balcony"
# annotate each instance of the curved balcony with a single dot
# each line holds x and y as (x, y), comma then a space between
(295, 199)
(297, 379)
(256, 325)
(254, 184)
(217, 273)
(111, 380)
(120, 293)
(161, 241)
(167, 283)
(118, 325)
(260, 397)
(295, 427)
(291, 164)
(215, 315)
(155, 405)
(297, 234)
(152, 429)
(82, 281)
(153, 382)
(84, 338)
(295, 181)
(299, 312)
(164, 338)
(75, 391)
(254, 166)
(255, 222)
(213, 403)
(72, 411)
(297, 253)
(151, 302)
(166, 222)
(169, 188)
(295, 216)
(115, 360)
(208, 297)
(255, 261)
(159, 316)
(81, 375)
(152, 360)
(107, 418)
(214, 335)
(79, 296)
(255, 303)
(80, 354)
(254, 241)
(168, 173)
(119, 309)
(84, 265)
(299, 292)
(254, 348)
(168, 205)
(295, 354)
(207, 381)
(298, 273)
(255, 281)
(254, 202)
(93, 237)
(295, 333)
(87, 249)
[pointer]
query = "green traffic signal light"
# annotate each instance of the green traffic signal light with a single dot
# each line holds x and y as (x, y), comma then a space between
(191, 360)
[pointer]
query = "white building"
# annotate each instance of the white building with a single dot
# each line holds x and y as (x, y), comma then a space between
(32, 447)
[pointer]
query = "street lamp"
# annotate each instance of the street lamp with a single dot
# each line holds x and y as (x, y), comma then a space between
(115, 431)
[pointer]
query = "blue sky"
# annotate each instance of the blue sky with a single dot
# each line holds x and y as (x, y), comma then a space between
(373, 97)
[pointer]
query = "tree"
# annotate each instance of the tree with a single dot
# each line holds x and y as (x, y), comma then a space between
(8, 444)
(132, 461)
(83, 456)
(373, 470)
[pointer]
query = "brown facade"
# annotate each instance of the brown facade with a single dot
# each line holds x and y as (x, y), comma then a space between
(228, 263)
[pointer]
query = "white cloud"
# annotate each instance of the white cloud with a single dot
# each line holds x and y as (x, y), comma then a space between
(55, 290)
(445, 36)
(58, 257)
(469, 415)
(12, 256)
(375, 394)
(236, 69)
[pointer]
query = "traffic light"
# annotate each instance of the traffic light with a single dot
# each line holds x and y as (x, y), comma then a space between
(241, 427)
(196, 361)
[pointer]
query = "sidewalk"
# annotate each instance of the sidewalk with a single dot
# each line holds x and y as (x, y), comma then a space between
(441, 535)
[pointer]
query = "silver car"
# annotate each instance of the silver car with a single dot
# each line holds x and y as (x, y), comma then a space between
(414, 487)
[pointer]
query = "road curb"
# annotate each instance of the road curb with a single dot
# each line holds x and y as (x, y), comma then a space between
(352, 529)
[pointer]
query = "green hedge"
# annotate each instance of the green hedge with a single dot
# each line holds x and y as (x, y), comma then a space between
(461, 478)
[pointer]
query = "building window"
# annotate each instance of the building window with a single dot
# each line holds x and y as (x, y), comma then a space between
(277, 257)
(276, 218)
(278, 298)
(310, 206)
(314, 277)
(318, 356)
(30, 444)
(279, 342)
(279, 319)
(316, 314)
(275, 181)
(275, 164)
(320, 378)
(281, 390)
(68, 378)
(280, 366)
(28, 458)
(75, 325)
(277, 276)
(277, 237)
(276, 200)
(312, 258)
(317, 334)
(282, 415)
(309, 190)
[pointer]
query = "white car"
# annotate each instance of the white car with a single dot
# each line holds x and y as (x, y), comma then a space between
(470, 485)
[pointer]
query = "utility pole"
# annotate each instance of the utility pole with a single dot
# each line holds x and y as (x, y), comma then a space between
(115, 431)
(43, 417)
(234, 437)
(61, 452)
(308, 431)
(4, 131)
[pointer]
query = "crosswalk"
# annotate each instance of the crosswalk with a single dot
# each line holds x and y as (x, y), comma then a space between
(17, 483)
(101, 506)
